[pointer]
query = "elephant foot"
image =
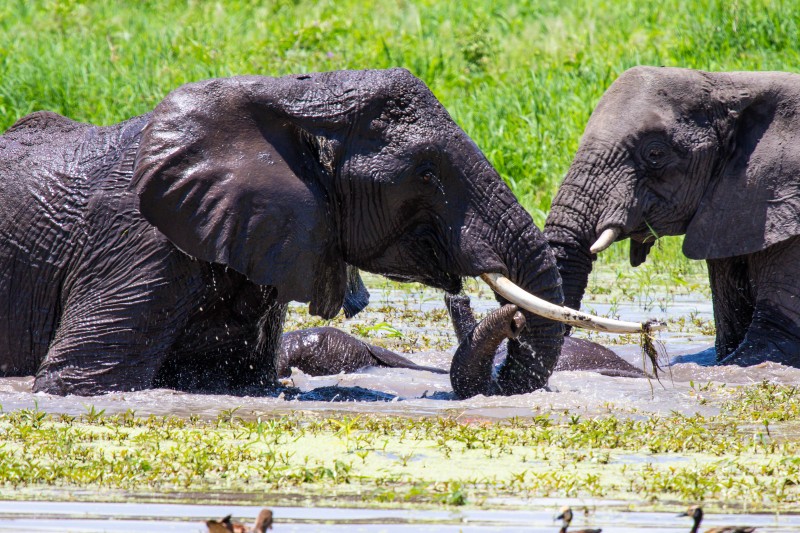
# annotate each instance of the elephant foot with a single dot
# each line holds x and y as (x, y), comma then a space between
(52, 383)
(772, 336)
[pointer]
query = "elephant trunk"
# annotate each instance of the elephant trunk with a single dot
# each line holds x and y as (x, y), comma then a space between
(499, 237)
(588, 214)
(460, 311)
(473, 361)
(522, 252)
(533, 355)
(574, 260)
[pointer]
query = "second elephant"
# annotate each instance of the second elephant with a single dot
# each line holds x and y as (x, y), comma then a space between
(714, 156)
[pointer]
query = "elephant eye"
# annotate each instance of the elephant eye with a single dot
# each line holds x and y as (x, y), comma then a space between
(655, 154)
(426, 173)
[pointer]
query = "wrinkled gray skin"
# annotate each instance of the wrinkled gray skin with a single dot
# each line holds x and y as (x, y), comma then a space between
(161, 251)
(472, 369)
(326, 351)
(714, 156)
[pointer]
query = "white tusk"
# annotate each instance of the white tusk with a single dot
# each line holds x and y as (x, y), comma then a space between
(514, 294)
(605, 240)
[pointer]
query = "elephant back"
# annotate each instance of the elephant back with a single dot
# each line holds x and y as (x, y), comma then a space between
(39, 142)
(53, 170)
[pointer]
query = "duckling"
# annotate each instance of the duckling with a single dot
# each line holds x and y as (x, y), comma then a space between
(696, 513)
(263, 523)
(566, 518)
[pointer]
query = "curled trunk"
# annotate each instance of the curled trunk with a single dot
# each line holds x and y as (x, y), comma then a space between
(472, 366)
(480, 346)
(522, 254)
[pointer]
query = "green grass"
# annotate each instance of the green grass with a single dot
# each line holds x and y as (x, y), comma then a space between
(520, 77)
(745, 455)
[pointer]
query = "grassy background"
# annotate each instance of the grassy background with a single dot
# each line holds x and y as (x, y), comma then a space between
(520, 77)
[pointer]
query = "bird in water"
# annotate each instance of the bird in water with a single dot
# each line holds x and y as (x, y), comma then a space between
(566, 518)
(263, 523)
(696, 513)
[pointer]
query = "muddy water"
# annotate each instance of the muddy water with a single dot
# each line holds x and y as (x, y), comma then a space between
(156, 518)
(418, 393)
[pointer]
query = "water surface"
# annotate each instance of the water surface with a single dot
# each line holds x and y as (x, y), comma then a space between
(685, 355)
(73, 517)
(416, 393)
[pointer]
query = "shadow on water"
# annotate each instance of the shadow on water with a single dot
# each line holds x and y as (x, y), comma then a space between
(336, 393)
(705, 358)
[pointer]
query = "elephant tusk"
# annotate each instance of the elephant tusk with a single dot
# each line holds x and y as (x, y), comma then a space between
(605, 240)
(516, 295)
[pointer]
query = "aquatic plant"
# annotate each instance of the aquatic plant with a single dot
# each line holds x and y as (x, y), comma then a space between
(746, 454)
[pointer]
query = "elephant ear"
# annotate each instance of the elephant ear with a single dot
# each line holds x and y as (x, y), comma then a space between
(228, 171)
(755, 200)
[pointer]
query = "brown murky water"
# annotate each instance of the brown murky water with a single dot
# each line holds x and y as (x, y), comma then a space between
(582, 392)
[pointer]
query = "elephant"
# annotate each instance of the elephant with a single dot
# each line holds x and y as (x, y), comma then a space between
(326, 351)
(472, 367)
(161, 251)
(714, 157)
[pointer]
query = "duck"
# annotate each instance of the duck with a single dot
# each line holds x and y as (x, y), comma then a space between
(225, 525)
(566, 518)
(696, 513)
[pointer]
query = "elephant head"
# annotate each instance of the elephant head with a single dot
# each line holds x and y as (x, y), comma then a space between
(672, 151)
(290, 180)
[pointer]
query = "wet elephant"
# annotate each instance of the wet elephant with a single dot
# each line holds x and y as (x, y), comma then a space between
(326, 351)
(161, 251)
(472, 370)
(714, 157)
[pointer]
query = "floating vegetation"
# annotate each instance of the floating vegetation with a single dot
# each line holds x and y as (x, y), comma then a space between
(647, 341)
(748, 454)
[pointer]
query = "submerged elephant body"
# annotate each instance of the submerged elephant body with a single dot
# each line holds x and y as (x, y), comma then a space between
(714, 156)
(581, 354)
(161, 251)
(326, 351)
